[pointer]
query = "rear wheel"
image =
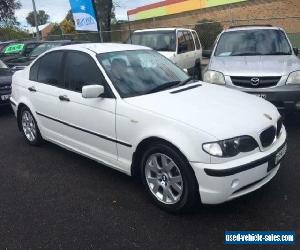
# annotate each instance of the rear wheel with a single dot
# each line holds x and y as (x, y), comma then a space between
(168, 178)
(29, 127)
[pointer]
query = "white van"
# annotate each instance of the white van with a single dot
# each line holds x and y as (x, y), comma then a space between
(181, 46)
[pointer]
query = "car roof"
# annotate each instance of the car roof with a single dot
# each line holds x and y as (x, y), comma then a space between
(252, 27)
(102, 47)
(161, 29)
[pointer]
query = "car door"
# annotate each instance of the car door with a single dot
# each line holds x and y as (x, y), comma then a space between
(190, 54)
(182, 47)
(89, 123)
(45, 81)
(198, 51)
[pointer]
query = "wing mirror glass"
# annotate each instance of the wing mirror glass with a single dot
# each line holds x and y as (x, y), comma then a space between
(92, 91)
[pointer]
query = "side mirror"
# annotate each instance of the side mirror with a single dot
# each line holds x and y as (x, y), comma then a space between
(296, 51)
(207, 53)
(92, 91)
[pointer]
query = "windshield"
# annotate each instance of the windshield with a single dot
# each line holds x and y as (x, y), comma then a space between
(43, 47)
(253, 42)
(139, 72)
(157, 40)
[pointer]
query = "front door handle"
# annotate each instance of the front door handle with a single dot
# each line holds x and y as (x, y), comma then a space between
(64, 98)
(32, 89)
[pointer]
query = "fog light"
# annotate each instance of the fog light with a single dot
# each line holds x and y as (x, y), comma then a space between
(298, 105)
(235, 183)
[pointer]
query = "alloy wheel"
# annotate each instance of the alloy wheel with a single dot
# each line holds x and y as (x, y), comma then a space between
(164, 178)
(28, 126)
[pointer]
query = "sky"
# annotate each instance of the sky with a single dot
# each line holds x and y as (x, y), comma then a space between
(57, 9)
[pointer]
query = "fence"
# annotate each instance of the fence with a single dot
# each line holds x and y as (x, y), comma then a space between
(207, 30)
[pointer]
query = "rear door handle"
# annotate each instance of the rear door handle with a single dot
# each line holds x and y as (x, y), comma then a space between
(64, 98)
(32, 89)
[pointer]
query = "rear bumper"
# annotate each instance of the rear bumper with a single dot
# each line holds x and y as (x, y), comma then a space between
(219, 183)
(286, 98)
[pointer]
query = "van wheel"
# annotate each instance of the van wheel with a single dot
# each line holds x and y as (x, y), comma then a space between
(29, 127)
(169, 179)
(198, 71)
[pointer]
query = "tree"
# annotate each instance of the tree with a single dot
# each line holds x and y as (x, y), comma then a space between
(7, 12)
(105, 12)
(208, 31)
(12, 33)
(68, 25)
(42, 18)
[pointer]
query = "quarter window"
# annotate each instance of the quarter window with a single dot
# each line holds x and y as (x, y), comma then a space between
(49, 69)
(198, 45)
(81, 70)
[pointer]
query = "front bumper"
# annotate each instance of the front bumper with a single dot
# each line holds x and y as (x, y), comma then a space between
(286, 97)
(4, 102)
(219, 183)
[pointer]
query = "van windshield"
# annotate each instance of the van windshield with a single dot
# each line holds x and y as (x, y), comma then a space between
(157, 40)
(253, 43)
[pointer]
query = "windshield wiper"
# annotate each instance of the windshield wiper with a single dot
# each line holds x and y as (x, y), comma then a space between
(163, 87)
(277, 53)
(184, 82)
(247, 54)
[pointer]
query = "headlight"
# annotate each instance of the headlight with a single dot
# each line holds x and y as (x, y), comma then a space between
(294, 78)
(230, 147)
(216, 77)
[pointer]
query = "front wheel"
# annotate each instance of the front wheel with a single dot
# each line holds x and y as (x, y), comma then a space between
(198, 71)
(169, 179)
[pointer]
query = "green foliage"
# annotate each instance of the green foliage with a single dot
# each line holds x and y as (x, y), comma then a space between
(42, 18)
(208, 31)
(13, 33)
(105, 12)
(7, 12)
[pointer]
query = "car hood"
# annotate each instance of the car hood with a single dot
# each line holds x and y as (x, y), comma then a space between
(215, 110)
(167, 54)
(255, 65)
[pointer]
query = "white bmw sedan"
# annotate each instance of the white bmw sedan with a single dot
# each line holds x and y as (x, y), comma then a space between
(131, 109)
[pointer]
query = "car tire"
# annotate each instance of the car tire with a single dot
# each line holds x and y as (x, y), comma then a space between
(198, 71)
(29, 127)
(169, 179)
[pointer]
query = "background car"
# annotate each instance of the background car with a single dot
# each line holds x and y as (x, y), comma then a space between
(5, 83)
(258, 60)
(181, 46)
(132, 109)
(18, 49)
(4, 44)
(20, 62)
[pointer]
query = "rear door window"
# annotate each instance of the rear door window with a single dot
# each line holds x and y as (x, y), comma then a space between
(50, 69)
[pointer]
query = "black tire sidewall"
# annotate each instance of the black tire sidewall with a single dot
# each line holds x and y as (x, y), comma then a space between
(198, 71)
(190, 187)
